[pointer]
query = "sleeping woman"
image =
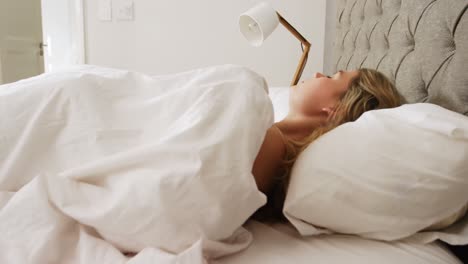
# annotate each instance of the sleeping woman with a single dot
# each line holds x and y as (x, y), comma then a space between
(131, 157)
(316, 106)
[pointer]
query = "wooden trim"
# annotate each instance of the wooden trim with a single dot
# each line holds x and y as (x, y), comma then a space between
(305, 44)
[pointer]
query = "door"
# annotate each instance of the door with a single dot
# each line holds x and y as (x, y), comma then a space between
(63, 33)
(20, 40)
(38, 36)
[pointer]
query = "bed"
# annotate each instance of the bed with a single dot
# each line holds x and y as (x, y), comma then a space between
(422, 46)
(90, 213)
(280, 243)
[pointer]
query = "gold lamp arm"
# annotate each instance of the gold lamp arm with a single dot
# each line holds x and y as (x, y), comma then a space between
(305, 44)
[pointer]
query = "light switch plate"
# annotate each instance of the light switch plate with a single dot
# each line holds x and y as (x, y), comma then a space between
(125, 9)
(105, 10)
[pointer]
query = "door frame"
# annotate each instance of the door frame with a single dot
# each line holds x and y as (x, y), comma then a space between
(78, 23)
(77, 31)
(1, 70)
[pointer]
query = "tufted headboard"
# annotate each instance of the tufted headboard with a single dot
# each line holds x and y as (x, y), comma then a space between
(422, 45)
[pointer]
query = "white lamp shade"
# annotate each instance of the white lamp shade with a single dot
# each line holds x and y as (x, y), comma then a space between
(257, 23)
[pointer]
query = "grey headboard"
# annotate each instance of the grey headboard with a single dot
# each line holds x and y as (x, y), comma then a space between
(422, 45)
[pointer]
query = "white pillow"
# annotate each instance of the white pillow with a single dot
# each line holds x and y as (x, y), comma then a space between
(388, 175)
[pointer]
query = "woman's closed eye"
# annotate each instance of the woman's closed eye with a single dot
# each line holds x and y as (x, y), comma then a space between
(336, 74)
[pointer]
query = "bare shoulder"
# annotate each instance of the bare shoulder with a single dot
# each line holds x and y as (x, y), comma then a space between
(269, 159)
(274, 141)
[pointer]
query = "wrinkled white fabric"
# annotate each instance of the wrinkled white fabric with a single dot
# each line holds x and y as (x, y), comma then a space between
(96, 162)
(281, 243)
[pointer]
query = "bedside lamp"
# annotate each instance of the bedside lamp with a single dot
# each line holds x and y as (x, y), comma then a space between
(257, 23)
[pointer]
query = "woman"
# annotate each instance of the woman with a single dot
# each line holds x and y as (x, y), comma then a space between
(316, 106)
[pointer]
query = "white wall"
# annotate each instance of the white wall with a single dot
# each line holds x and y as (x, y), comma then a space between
(171, 36)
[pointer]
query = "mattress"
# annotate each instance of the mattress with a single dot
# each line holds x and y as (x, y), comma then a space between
(280, 243)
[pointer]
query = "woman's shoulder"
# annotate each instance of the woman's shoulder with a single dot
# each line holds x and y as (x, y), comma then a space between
(269, 159)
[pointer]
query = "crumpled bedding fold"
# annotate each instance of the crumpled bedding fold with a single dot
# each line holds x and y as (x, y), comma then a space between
(108, 166)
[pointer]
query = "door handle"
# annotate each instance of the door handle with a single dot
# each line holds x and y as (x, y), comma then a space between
(41, 48)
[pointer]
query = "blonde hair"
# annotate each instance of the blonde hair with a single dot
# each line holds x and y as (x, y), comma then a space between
(369, 90)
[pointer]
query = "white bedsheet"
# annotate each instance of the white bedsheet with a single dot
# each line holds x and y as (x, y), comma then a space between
(281, 243)
(95, 162)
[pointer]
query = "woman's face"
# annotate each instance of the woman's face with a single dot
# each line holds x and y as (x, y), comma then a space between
(319, 94)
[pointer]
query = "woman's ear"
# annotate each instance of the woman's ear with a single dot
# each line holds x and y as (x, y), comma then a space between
(328, 111)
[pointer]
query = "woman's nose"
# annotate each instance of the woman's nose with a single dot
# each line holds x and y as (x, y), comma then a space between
(318, 75)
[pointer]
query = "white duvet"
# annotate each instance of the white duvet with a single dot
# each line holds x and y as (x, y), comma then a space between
(96, 163)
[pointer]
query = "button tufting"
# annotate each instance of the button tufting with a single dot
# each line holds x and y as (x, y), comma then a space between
(379, 11)
(412, 41)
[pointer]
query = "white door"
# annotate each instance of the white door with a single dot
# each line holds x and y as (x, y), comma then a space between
(63, 34)
(20, 39)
